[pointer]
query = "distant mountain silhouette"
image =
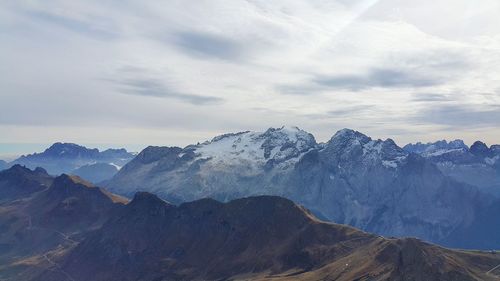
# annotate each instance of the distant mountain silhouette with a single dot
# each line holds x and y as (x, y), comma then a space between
(71, 158)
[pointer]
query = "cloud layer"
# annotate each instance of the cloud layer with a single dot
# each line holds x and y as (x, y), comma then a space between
(180, 72)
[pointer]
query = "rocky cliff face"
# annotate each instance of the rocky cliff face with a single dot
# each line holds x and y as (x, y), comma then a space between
(478, 165)
(371, 184)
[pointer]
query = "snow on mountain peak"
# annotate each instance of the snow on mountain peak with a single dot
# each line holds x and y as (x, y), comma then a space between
(350, 135)
(277, 144)
(352, 144)
(436, 148)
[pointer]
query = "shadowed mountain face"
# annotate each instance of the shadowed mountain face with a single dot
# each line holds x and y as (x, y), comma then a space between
(3, 165)
(18, 182)
(71, 158)
(352, 179)
(46, 217)
(478, 165)
(252, 238)
(97, 172)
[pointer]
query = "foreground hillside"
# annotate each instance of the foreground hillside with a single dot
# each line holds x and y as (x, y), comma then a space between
(254, 238)
(41, 217)
(72, 230)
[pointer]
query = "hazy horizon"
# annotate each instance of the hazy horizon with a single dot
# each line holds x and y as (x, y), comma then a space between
(11, 151)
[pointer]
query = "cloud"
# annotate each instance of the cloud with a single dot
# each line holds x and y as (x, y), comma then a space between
(374, 78)
(156, 88)
(351, 110)
(84, 27)
(378, 77)
(207, 45)
(429, 97)
(459, 116)
(293, 59)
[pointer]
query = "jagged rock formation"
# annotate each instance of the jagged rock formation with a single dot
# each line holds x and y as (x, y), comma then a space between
(352, 179)
(478, 165)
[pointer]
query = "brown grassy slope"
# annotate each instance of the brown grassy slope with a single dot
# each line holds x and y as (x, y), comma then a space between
(48, 223)
(254, 238)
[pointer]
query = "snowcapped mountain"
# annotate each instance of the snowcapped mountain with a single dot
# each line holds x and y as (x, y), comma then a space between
(436, 148)
(69, 157)
(240, 164)
(478, 165)
(371, 184)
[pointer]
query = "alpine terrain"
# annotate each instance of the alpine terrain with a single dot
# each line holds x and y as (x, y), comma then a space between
(374, 185)
(66, 229)
(70, 158)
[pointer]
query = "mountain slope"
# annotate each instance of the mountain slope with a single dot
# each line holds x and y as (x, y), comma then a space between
(97, 172)
(352, 179)
(3, 165)
(478, 165)
(75, 231)
(251, 239)
(49, 221)
(18, 182)
(66, 157)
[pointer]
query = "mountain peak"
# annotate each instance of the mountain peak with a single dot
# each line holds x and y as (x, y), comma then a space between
(62, 158)
(19, 181)
(65, 150)
(154, 153)
(290, 132)
(40, 170)
(21, 170)
(480, 149)
(17, 168)
(275, 144)
(438, 147)
(148, 203)
(65, 180)
(349, 135)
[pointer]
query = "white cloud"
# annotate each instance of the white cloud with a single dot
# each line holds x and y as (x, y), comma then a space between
(207, 67)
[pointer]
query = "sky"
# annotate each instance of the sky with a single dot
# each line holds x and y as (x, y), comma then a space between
(135, 73)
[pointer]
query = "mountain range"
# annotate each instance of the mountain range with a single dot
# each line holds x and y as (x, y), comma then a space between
(374, 185)
(64, 228)
(478, 165)
(70, 158)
